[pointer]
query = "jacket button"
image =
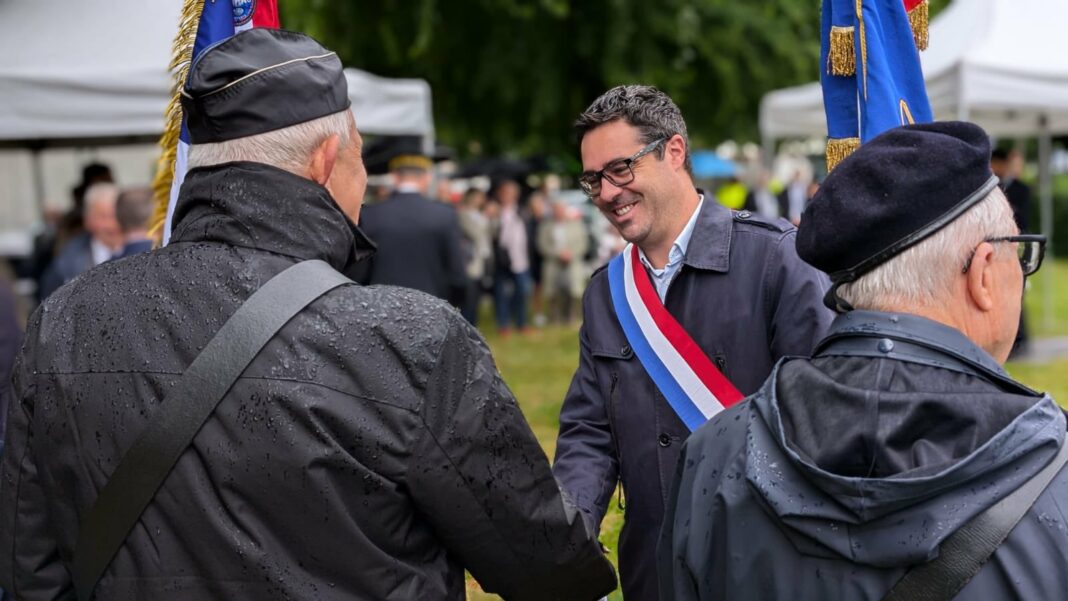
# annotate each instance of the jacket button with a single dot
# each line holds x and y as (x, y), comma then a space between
(665, 440)
(626, 350)
(744, 215)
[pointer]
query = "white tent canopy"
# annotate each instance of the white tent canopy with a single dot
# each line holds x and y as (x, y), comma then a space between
(999, 63)
(97, 70)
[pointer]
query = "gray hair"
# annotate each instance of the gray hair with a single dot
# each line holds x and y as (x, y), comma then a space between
(922, 275)
(134, 208)
(288, 148)
(651, 111)
(100, 192)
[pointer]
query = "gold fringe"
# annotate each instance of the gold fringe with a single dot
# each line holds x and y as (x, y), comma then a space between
(838, 149)
(842, 59)
(918, 20)
(181, 58)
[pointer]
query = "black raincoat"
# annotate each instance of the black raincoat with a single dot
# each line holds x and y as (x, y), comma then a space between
(371, 450)
(845, 470)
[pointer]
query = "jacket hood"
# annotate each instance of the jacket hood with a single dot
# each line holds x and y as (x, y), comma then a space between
(255, 205)
(854, 465)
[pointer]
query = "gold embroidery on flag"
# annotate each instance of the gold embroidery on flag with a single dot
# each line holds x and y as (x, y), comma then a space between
(838, 149)
(841, 57)
(906, 114)
(918, 19)
(863, 47)
(181, 57)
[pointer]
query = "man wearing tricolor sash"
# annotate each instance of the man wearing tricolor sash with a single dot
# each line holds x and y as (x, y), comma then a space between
(686, 321)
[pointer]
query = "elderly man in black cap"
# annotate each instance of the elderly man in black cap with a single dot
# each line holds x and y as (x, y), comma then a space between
(190, 425)
(418, 239)
(892, 463)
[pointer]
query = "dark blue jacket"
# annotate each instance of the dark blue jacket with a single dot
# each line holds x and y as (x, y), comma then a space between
(847, 468)
(74, 259)
(418, 243)
(746, 299)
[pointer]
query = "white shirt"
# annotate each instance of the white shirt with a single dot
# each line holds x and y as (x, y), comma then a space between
(662, 277)
(101, 252)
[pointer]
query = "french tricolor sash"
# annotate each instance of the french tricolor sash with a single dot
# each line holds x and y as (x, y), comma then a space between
(683, 373)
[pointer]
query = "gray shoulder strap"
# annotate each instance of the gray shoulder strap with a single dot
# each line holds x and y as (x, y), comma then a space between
(963, 553)
(180, 415)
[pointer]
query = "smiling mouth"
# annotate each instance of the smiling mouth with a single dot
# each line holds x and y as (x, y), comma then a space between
(623, 210)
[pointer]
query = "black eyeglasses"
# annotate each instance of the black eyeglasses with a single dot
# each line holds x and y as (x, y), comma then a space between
(1030, 249)
(619, 173)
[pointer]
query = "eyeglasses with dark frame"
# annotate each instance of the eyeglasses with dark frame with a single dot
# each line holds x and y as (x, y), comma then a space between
(1030, 250)
(619, 172)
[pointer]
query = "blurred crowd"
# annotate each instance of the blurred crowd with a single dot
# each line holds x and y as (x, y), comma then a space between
(525, 247)
(528, 247)
(103, 223)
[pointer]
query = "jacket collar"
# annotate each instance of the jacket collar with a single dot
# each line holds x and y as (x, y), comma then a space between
(911, 329)
(710, 244)
(404, 195)
(254, 205)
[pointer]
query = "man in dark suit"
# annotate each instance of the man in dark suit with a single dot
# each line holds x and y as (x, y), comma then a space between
(418, 239)
(1007, 165)
(99, 242)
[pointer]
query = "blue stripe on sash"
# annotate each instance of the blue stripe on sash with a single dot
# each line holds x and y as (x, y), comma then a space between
(680, 402)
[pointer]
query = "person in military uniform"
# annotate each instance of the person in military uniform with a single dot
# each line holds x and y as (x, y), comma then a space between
(418, 239)
(847, 468)
(369, 451)
(733, 282)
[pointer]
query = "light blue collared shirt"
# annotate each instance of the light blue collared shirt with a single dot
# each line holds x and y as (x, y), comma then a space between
(662, 277)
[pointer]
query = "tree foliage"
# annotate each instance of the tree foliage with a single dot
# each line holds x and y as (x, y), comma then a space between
(512, 75)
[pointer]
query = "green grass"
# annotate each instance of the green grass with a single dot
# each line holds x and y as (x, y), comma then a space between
(538, 369)
(1056, 323)
(1051, 378)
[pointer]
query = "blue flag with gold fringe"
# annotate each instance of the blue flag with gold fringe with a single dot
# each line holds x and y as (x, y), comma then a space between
(870, 73)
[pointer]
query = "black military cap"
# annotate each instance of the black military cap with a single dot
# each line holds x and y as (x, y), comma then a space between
(893, 192)
(393, 153)
(258, 81)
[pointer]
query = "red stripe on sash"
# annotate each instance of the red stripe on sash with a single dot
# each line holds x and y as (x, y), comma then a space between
(699, 362)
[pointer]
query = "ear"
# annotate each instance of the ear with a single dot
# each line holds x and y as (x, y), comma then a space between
(980, 277)
(322, 160)
(675, 151)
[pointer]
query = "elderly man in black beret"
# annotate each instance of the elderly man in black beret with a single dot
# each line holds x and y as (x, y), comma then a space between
(369, 450)
(891, 463)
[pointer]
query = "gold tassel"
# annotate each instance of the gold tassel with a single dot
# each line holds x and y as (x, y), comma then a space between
(918, 21)
(838, 149)
(181, 58)
(841, 58)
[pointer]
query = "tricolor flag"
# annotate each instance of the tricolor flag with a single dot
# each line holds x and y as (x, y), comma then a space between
(203, 23)
(870, 72)
(690, 382)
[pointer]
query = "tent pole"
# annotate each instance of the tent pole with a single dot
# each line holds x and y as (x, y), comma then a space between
(38, 181)
(1045, 194)
(767, 151)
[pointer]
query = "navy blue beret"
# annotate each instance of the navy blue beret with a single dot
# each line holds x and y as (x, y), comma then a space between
(258, 81)
(894, 191)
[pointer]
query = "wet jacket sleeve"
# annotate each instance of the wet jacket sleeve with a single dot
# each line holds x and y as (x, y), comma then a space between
(484, 484)
(797, 316)
(30, 565)
(586, 460)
